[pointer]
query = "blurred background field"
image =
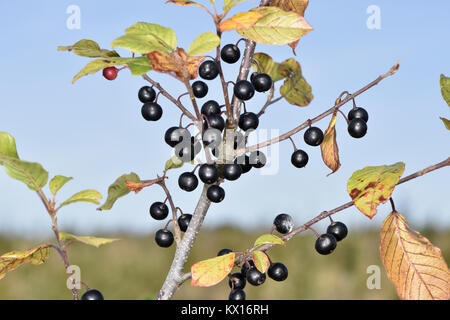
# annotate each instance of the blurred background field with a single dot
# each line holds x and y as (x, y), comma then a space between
(134, 268)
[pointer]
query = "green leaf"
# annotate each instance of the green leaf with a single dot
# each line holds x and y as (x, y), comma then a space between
(139, 43)
(229, 4)
(276, 27)
(12, 260)
(446, 122)
(139, 66)
(99, 64)
(209, 272)
(173, 163)
(30, 173)
(371, 186)
(88, 48)
(92, 241)
(118, 189)
(267, 65)
(205, 42)
(8, 146)
(261, 261)
(295, 89)
(91, 196)
(268, 239)
(57, 183)
(445, 88)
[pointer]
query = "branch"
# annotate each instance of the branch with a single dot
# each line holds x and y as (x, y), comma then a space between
(174, 211)
(319, 117)
(168, 96)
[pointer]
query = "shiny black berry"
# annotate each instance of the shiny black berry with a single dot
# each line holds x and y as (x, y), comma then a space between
(261, 82)
(248, 120)
(358, 113)
(210, 107)
(159, 210)
(278, 271)
(244, 90)
(244, 162)
(151, 111)
(224, 251)
(164, 238)
(92, 294)
(183, 221)
(237, 281)
(200, 89)
(188, 181)
(208, 70)
(246, 267)
(283, 223)
(313, 136)
(299, 158)
(175, 135)
(338, 230)
(230, 53)
(325, 244)
(215, 194)
(232, 171)
(255, 277)
(215, 121)
(146, 94)
(357, 128)
(237, 295)
(257, 159)
(208, 173)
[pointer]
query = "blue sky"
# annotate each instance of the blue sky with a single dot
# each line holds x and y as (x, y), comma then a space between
(93, 130)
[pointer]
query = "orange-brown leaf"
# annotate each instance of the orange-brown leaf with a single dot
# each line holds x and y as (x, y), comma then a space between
(178, 63)
(413, 264)
(12, 260)
(209, 272)
(329, 147)
(241, 21)
(261, 261)
(137, 186)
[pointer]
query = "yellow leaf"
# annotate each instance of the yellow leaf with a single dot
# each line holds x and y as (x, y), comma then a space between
(240, 21)
(329, 147)
(371, 186)
(261, 261)
(92, 241)
(12, 260)
(413, 264)
(209, 272)
(268, 239)
(178, 63)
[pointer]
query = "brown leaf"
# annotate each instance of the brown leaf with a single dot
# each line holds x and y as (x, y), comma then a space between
(413, 264)
(242, 20)
(329, 147)
(178, 64)
(137, 186)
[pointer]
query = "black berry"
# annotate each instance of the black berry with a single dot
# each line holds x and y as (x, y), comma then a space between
(257, 159)
(208, 173)
(200, 89)
(159, 211)
(230, 53)
(224, 252)
(188, 181)
(237, 295)
(261, 82)
(313, 136)
(299, 158)
(92, 294)
(215, 121)
(357, 128)
(338, 230)
(248, 120)
(110, 73)
(254, 277)
(175, 135)
(215, 193)
(358, 113)
(146, 94)
(278, 271)
(325, 244)
(246, 267)
(164, 238)
(244, 162)
(232, 171)
(210, 107)
(151, 111)
(244, 90)
(183, 221)
(283, 223)
(237, 281)
(208, 70)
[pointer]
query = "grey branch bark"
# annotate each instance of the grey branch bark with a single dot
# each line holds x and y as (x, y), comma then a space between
(176, 277)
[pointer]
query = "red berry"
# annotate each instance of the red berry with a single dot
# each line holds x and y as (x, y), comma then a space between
(110, 73)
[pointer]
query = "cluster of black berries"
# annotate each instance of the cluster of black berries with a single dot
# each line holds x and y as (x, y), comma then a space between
(151, 111)
(357, 122)
(313, 137)
(327, 242)
(249, 273)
